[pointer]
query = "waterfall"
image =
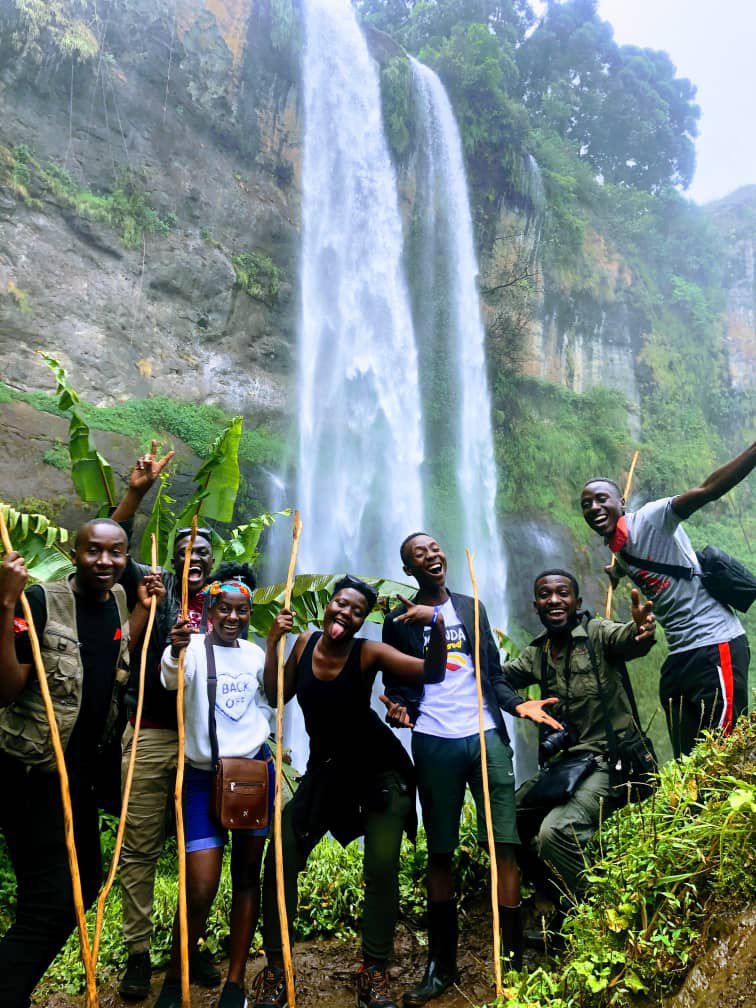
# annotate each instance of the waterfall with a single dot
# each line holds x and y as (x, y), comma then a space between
(360, 433)
(360, 440)
(451, 345)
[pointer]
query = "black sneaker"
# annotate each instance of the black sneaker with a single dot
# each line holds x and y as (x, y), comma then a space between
(372, 988)
(232, 996)
(202, 969)
(135, 982)
(269, 988)
(169, 996)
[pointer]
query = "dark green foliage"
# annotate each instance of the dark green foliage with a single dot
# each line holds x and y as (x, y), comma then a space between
(398, 110)
(548, 439)
(258, 275)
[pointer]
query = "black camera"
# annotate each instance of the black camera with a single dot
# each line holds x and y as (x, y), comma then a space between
(557, 741)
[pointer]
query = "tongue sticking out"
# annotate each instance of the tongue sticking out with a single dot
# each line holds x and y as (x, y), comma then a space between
(336, 630)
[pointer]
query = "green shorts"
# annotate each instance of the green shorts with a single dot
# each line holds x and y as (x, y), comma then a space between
(444, 767)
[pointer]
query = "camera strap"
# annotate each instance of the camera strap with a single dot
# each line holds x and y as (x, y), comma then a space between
(544, 674)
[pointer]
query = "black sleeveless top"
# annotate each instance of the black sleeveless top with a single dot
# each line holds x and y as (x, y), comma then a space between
(349, 745)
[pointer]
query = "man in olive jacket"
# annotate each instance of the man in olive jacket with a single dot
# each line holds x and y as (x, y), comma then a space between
(560, 657)
(82, 625)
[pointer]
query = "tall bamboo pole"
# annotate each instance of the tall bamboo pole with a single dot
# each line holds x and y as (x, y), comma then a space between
(105, 891)
(277, 838)
(486, 791)
(65, 791)
(180, 841)
(626, 494)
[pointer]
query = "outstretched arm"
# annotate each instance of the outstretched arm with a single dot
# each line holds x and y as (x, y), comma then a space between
(432, 669)
(146, 470)
(717, 484)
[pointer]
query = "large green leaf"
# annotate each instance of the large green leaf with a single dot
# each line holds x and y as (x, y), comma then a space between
(309, 597)
(241, 546)
(43, 546)
(162, 522)
(218, 476)
(91, 474)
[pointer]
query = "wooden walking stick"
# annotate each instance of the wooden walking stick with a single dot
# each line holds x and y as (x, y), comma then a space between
(183, 922)
(65, 791)
(628, 484)
(105, 891)
(278, 840)
(486, 791)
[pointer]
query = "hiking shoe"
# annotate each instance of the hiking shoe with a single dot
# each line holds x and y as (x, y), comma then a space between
(232, 996)
(372, 988)
(202, 969)
(170, 995)
(269, 988)
(135, 982)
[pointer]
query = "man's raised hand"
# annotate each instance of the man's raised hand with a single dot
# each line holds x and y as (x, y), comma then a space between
(415, 613)
(643, 616)
(13, 577)
(147, 469)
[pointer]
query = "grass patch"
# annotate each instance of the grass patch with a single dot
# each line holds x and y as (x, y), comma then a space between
(126, 208)
(143, 419)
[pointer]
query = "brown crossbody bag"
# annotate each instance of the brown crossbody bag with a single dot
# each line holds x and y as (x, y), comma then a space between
(239, 795)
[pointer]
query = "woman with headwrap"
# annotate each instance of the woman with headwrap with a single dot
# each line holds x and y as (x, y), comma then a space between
(240, 713)
(359, 779)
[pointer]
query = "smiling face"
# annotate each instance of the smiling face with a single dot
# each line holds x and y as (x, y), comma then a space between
(200, 562)
(100, 557)
(229, 616)
(425, 561)
(602, 506)
(556, 602)
(344, 614)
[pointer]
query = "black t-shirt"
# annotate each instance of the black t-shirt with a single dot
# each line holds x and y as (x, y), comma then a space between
(98, 628)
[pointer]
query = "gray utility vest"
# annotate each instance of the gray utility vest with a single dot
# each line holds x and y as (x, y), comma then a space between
(24, 729)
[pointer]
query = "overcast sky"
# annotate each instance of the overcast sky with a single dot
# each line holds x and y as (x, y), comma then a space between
(713, 43)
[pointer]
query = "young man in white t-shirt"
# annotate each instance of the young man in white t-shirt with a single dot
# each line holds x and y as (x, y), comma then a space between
(446, 751)
(704, 681)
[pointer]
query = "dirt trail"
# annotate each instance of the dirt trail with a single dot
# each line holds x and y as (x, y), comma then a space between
(326, 972)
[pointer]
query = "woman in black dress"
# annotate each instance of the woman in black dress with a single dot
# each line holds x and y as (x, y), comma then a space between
(359, 779)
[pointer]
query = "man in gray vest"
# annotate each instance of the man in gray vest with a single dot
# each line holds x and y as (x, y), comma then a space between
(82, 625)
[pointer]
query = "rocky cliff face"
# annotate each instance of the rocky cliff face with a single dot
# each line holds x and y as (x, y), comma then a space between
(149, 210)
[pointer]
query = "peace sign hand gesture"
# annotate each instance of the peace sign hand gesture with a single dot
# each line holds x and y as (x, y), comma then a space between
(147, 469)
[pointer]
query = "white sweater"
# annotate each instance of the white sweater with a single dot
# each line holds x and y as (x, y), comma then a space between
(241, 710)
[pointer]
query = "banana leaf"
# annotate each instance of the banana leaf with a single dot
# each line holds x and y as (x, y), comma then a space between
(43, 546)
(91, 474)
(162, 522)
(241, 546)
(218, 478)
(309, 597)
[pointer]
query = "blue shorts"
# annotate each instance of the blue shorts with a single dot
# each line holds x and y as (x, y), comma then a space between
(201, 831)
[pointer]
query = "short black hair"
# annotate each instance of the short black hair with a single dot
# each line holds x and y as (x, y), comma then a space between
(603, 479)
(233, 571)
(99, 521)
(558, 572)
(356, 584)
(202, 533)
(408, 539)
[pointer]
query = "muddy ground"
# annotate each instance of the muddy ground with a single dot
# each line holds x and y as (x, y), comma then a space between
(325, 971)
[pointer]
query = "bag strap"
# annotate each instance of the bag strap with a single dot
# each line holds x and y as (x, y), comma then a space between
(674, 570)
(212, 686)
(544, 690)
(626, 685)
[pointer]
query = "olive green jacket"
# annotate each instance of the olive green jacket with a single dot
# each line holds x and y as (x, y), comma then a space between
(24, 729)
(577, 688)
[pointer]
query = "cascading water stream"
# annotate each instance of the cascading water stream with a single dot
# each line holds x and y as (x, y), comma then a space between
(361, 445)
(360, 433)
(461, 468)
(451, 343)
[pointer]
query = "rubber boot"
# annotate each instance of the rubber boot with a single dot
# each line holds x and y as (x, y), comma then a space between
(510, 921)
(441, 970)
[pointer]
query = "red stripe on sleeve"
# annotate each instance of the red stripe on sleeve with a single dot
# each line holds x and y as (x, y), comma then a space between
(725, 661)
